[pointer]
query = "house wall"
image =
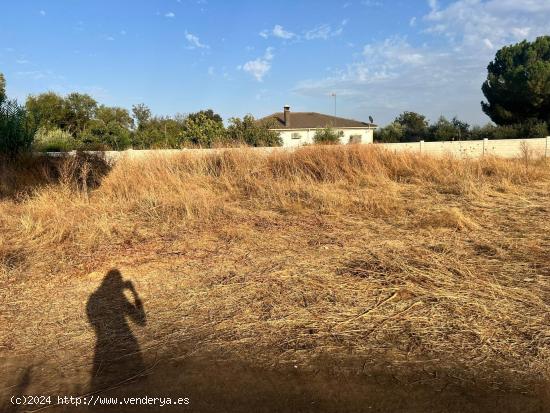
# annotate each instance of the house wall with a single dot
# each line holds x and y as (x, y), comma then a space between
(306, 136)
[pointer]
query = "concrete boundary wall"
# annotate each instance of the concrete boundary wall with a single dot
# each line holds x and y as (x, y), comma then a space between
(506, 148)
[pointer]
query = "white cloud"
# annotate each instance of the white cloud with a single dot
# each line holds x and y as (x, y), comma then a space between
(371, 3)
(324, 31)
(260, 66)
(32, 74)
(277, 31)
(443, 76)
(21, 61)
(40, 75)
(193, 42)
(42, 12)
(170, 15)
(393, 52)
(211, 70)
(468, 23)
(412, 22)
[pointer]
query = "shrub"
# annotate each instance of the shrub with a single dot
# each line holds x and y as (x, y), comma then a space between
(528, 129)
(15, 134)
(54, 140)
(326, 136)
(109, 135)
(250, 132)
(394, 132)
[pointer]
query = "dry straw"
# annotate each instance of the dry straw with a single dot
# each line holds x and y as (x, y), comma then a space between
(347, 252)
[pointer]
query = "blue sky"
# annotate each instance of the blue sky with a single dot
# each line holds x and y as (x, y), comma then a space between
(380, 57)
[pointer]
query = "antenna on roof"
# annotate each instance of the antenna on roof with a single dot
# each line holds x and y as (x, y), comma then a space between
(371, 119)
(333, 94)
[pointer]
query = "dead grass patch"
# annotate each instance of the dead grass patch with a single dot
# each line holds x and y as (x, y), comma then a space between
(290, 257)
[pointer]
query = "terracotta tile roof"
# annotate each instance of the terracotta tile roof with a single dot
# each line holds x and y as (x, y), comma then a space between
(313, 120)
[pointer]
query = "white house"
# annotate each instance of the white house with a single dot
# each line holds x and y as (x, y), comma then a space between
(298, 128)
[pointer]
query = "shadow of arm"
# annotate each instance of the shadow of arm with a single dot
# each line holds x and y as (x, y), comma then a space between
(136, 312)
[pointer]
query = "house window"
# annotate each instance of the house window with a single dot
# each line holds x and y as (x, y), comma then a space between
(355, 139)
(296, 135)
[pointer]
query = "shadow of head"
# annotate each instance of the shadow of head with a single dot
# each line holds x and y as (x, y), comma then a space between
(117, 355)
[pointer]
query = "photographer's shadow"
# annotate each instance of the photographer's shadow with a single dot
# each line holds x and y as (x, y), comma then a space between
(117, 357)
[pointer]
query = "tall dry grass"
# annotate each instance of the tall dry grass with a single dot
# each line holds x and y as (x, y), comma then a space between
(62, 211)
(342, 251)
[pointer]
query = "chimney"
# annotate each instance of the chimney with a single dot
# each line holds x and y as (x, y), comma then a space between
(286, 115)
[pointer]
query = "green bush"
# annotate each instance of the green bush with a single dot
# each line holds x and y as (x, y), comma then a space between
(54, 140)
(250, 132)
(528, 129)
(15, 134)
(394, 132)
(326, 136)
(111, 135)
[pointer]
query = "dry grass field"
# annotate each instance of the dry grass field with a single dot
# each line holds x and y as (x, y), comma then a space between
(393, 276)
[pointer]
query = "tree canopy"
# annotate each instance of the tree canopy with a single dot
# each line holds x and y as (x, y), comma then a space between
(415, 126)
(248, 131)
(2, 88)
(517, 88)
(409, 127)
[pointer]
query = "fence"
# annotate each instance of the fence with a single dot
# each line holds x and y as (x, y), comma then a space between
(506, 148)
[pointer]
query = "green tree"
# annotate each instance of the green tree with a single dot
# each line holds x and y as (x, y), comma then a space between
(105, 135)
(250, 132)
(326, 136)
(80, 109)
(462, 128)
(445, 130)
(203, 130)
(142, 115)
(2, 88)
(160, 132)
(16, 135)
(47, 111)
(517, 88)
(120, 116)
(393, 132)
(415, 126)
(209, 114)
